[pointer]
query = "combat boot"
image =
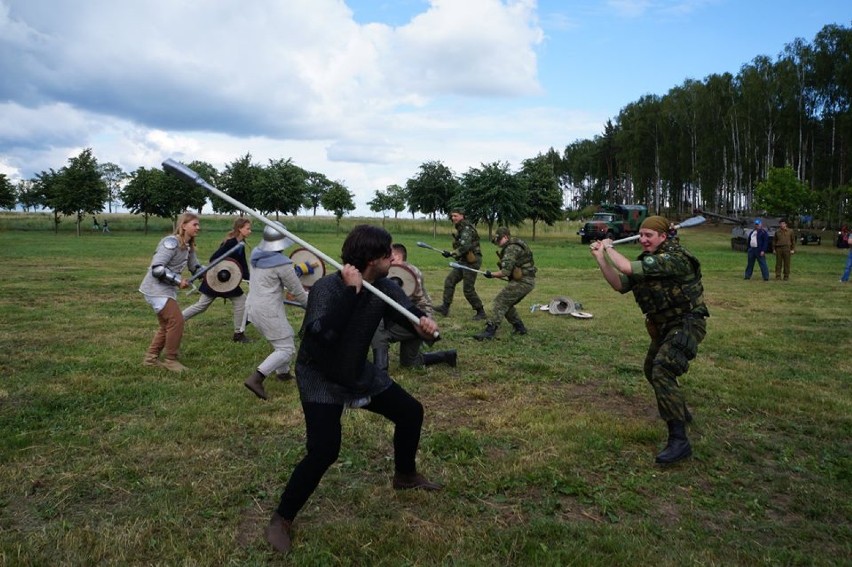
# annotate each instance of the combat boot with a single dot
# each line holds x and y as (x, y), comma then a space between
(448, 356)
(480, 315)
(173, 365)
(519, 328)
(487, 334)
(416, 480)
(678, 447)
(240, 337)
(443, 309)
(255, 384)
(278, 533)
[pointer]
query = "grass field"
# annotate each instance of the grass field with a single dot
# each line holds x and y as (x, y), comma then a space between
(545, 443)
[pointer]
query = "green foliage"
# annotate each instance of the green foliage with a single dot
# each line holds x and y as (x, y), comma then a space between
(433, 190)
(339, 200)
(281, 188)
(8, 199)
(494, 195)
(544, 198)
(78, 188)
(782, 193)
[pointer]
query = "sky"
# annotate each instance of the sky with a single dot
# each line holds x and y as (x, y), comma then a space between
(363, 91)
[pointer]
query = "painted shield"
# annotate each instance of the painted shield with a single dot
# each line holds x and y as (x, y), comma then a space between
(311, 266)
(224, 276)
(562, 305)
(404, 277)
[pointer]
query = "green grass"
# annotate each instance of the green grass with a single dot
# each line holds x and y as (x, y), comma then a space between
(545, 442)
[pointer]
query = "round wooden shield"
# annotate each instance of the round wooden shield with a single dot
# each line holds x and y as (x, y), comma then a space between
(404, 277)
(581, 315)
(562, 305)
(224, 276)
(311, 265)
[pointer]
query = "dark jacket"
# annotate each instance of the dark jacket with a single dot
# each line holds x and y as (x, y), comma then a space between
(762, 240)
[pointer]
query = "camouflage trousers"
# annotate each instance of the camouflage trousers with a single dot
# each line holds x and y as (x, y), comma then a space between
(673, 345)
(457, 275)
(509, 296)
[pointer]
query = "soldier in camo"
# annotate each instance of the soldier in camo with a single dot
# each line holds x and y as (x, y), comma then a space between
(466, 252)
(666, 283)
(518, 267)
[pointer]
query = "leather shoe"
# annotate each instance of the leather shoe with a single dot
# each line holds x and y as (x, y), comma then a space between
(255, 384)
(278, 533)
(416, 480)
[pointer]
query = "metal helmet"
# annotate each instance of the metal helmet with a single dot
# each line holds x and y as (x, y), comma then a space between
(274, 240)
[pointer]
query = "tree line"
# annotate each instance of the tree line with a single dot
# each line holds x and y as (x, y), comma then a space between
(775, 137)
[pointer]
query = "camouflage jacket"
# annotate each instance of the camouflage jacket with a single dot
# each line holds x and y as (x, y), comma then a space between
(515, 254)
(465, 240)
(667, 284)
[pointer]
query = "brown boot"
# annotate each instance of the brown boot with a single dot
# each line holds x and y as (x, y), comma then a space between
(151, 359)
(278, 533)
(173, 365)
(407, 481)
(255, 384)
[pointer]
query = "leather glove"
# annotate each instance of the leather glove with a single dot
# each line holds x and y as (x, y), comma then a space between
(488, 274)
(446, 254)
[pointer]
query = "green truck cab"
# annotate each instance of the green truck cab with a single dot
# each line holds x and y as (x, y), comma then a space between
(613, 221)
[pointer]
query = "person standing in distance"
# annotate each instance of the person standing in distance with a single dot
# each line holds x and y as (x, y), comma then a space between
(465, 251)
(784, 244)
(160, 284)
(758, 244)
(333, 373)
(239, 233)
(517, 266)
(666, 284)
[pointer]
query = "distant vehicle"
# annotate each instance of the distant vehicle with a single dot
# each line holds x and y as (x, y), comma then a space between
(613, 221)
(810, 238)
(744, 226)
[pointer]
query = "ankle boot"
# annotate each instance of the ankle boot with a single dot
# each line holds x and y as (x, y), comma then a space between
(443, 309)
(151, 359)
(519, 328)
(407, 481)
(240, 337)
(278, 533)
(381, 359)
(487, 334)
(480, 315)
(255, 384)
(448, 356)
(678, 447)
(173, 365)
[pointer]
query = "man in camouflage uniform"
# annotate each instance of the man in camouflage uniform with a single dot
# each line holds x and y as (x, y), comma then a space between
(784, 244)
(409, 341)
(466, 252)
(517, 266)
(666, 283)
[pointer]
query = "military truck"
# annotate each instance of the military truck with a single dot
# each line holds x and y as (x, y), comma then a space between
(613, 221)
(743, 227)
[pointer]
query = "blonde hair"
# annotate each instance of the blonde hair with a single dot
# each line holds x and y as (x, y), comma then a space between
(238, 224)
(184, 218)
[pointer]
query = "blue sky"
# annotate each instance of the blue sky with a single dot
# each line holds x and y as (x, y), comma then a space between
(361, 90)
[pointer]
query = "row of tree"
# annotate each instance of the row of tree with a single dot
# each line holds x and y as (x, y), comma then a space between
(710, 143)
(777, 136)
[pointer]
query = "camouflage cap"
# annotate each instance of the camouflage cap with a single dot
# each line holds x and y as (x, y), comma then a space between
(459, 210)
(500, 233)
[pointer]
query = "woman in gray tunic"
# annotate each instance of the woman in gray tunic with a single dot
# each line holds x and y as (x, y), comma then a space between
(174, 253)
(273, 275)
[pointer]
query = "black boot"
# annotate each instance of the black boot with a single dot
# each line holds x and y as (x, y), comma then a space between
(448, 356)
(443, 309)
(255, 384)
(241, 337)
(381, 359)
(480, 315)
(519, 328)
(278, 533)
(678, 447)
(487, 334)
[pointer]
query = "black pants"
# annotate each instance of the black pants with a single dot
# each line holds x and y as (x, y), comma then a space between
(322, 426)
